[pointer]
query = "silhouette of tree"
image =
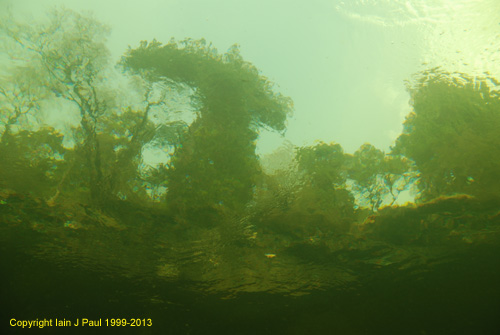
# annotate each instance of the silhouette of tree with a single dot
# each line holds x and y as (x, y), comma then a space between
(216, 164)
(453, 134)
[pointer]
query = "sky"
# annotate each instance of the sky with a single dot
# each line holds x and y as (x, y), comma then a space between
(344, 63)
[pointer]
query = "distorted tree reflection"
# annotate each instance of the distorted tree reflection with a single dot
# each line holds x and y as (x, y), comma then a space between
(216, 165)
(452, 134)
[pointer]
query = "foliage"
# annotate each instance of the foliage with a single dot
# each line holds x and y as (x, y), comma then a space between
(377, 176)
(33, 162)
(307, 203)
(70, 50)
(21, 91)
(324, 171)
(66, 59)
(453, 134)
(324, 164)
(370, 175)
(216, 164)
(450, 140)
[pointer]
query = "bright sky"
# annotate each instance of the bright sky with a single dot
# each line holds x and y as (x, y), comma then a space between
(343, 63)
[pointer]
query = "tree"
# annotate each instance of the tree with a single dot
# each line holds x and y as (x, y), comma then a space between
(324, 169)
(452, 134)
(216, 164)
(376, 176)
(66, 59)
(33, 162)
(71, 51)
(21, 92)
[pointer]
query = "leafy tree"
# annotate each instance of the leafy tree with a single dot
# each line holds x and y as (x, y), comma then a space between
(66, 59)
(21, 92)
(216, 164)
(377, 176)
(33, 162)
(323, 164)
(71, 51)
(324, 167)
(452, 134)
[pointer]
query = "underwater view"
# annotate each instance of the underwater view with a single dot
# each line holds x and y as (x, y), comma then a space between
(236, 167)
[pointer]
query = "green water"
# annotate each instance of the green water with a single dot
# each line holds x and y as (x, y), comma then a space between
(138, 191)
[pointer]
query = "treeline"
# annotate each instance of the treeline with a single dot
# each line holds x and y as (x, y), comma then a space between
(449, 143)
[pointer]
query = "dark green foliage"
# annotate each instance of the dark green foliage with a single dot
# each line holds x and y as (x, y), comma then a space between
(453, 135)
(216, 164)
(324, 191)
(369, 174)
(33, 162)
(324, 164)
(224, 81)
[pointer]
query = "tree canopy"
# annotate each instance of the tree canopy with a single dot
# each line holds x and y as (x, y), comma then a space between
(452, 134)
(216, 163)
(448, 145)
(65, 59)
